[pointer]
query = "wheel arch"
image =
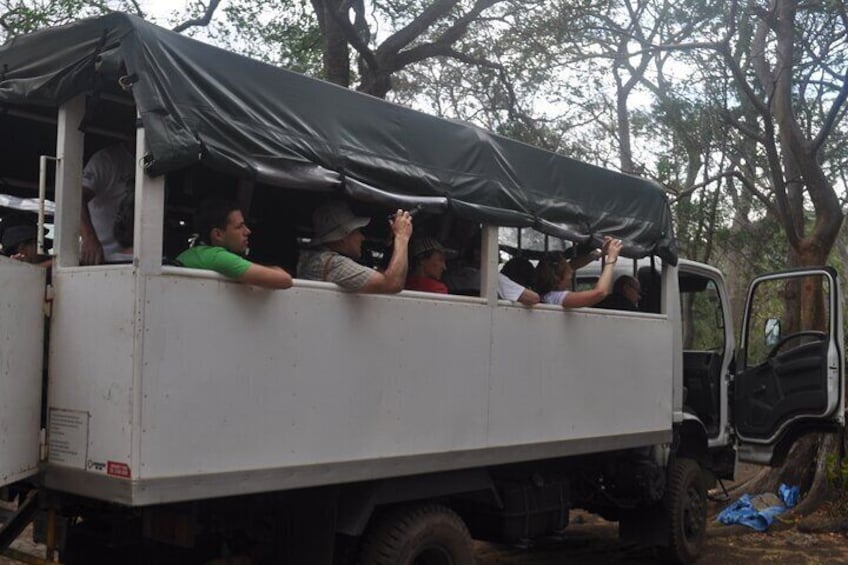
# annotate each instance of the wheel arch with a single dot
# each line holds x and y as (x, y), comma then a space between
(358, 502)
(690, 441)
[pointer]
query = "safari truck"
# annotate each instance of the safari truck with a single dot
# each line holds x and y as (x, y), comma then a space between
(152, 413)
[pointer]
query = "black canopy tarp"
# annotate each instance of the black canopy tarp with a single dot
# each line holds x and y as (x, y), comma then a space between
(201, 103)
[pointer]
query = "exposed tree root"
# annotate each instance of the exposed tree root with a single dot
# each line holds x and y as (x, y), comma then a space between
(746, 486)
(820, 488)
(805, 467)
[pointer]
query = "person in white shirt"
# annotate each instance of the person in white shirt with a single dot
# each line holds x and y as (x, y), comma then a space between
(515, 281)
(511, 290)
(107, 177)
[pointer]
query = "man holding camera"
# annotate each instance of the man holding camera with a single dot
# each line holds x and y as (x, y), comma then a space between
(338, 243)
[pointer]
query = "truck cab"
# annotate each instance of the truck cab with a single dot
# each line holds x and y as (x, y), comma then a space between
(790, 382)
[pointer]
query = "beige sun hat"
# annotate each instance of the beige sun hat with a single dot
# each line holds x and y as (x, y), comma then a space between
(334, 220)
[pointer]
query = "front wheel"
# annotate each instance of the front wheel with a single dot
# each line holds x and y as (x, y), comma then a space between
(428, 534)
(686, 510)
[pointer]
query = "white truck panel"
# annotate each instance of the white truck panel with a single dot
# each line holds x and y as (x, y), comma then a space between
(252, 379)
(242, 389)
(91, 353)
(563, 375)
(21, 351)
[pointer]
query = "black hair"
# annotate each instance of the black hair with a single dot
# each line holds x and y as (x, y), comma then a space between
(212, 214)
(520, 270)
(622, 282)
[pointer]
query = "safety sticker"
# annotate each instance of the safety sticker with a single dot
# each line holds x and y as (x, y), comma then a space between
(118, 469)
(67, 434)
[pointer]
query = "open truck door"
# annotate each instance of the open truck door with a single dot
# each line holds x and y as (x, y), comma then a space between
(789, 377)
(21, 362)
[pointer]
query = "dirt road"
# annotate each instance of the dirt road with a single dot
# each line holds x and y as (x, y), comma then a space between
(598, 545)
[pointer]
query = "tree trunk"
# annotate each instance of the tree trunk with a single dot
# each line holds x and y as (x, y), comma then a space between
(625, 150)
(805, 304)
(336, 55)
(376, 82)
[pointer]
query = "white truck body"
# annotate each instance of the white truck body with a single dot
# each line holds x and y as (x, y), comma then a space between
(185, 417)
(203, 387)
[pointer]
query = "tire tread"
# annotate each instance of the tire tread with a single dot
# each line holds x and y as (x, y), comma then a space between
(681, 474)
(384, 542)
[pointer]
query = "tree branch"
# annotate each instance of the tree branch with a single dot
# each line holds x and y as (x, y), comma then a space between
(758, 60)
(745, 130)
(752, 189)
(406, 35)
(138, 11)
(444, 43)
(202, 21)
(714, 45)
(730, 173)
(832, 114)
(3, 19)
(742, 83)
(353, 37)
(470, 60)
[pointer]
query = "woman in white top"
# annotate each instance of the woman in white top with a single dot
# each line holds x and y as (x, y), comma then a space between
(553, 280)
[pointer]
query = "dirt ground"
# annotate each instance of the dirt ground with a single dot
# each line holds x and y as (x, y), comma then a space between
(595, 542)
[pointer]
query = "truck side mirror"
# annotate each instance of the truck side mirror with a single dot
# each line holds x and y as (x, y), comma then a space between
(771, 332)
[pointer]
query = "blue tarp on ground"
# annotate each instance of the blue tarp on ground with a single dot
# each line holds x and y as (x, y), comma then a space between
(759, 511)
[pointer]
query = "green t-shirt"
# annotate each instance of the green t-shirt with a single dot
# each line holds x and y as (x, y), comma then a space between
(215, 259)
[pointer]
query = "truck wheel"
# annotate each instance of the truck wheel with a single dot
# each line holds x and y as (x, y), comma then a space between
(428, 534)
(686, 508)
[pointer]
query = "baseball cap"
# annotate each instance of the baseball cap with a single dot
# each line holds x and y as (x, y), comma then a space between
(13, 236)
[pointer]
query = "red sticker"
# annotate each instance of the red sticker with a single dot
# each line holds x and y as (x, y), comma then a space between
(118, 469)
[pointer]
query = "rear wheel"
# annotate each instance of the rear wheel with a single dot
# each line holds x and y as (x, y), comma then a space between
(428, 534)
(686, 508)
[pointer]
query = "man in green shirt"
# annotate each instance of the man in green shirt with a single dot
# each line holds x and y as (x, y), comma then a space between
(223, 242)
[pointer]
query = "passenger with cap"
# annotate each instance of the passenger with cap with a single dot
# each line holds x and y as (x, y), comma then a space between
(338, 243)
(222, 243)
(427, 258)
(20, 242)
